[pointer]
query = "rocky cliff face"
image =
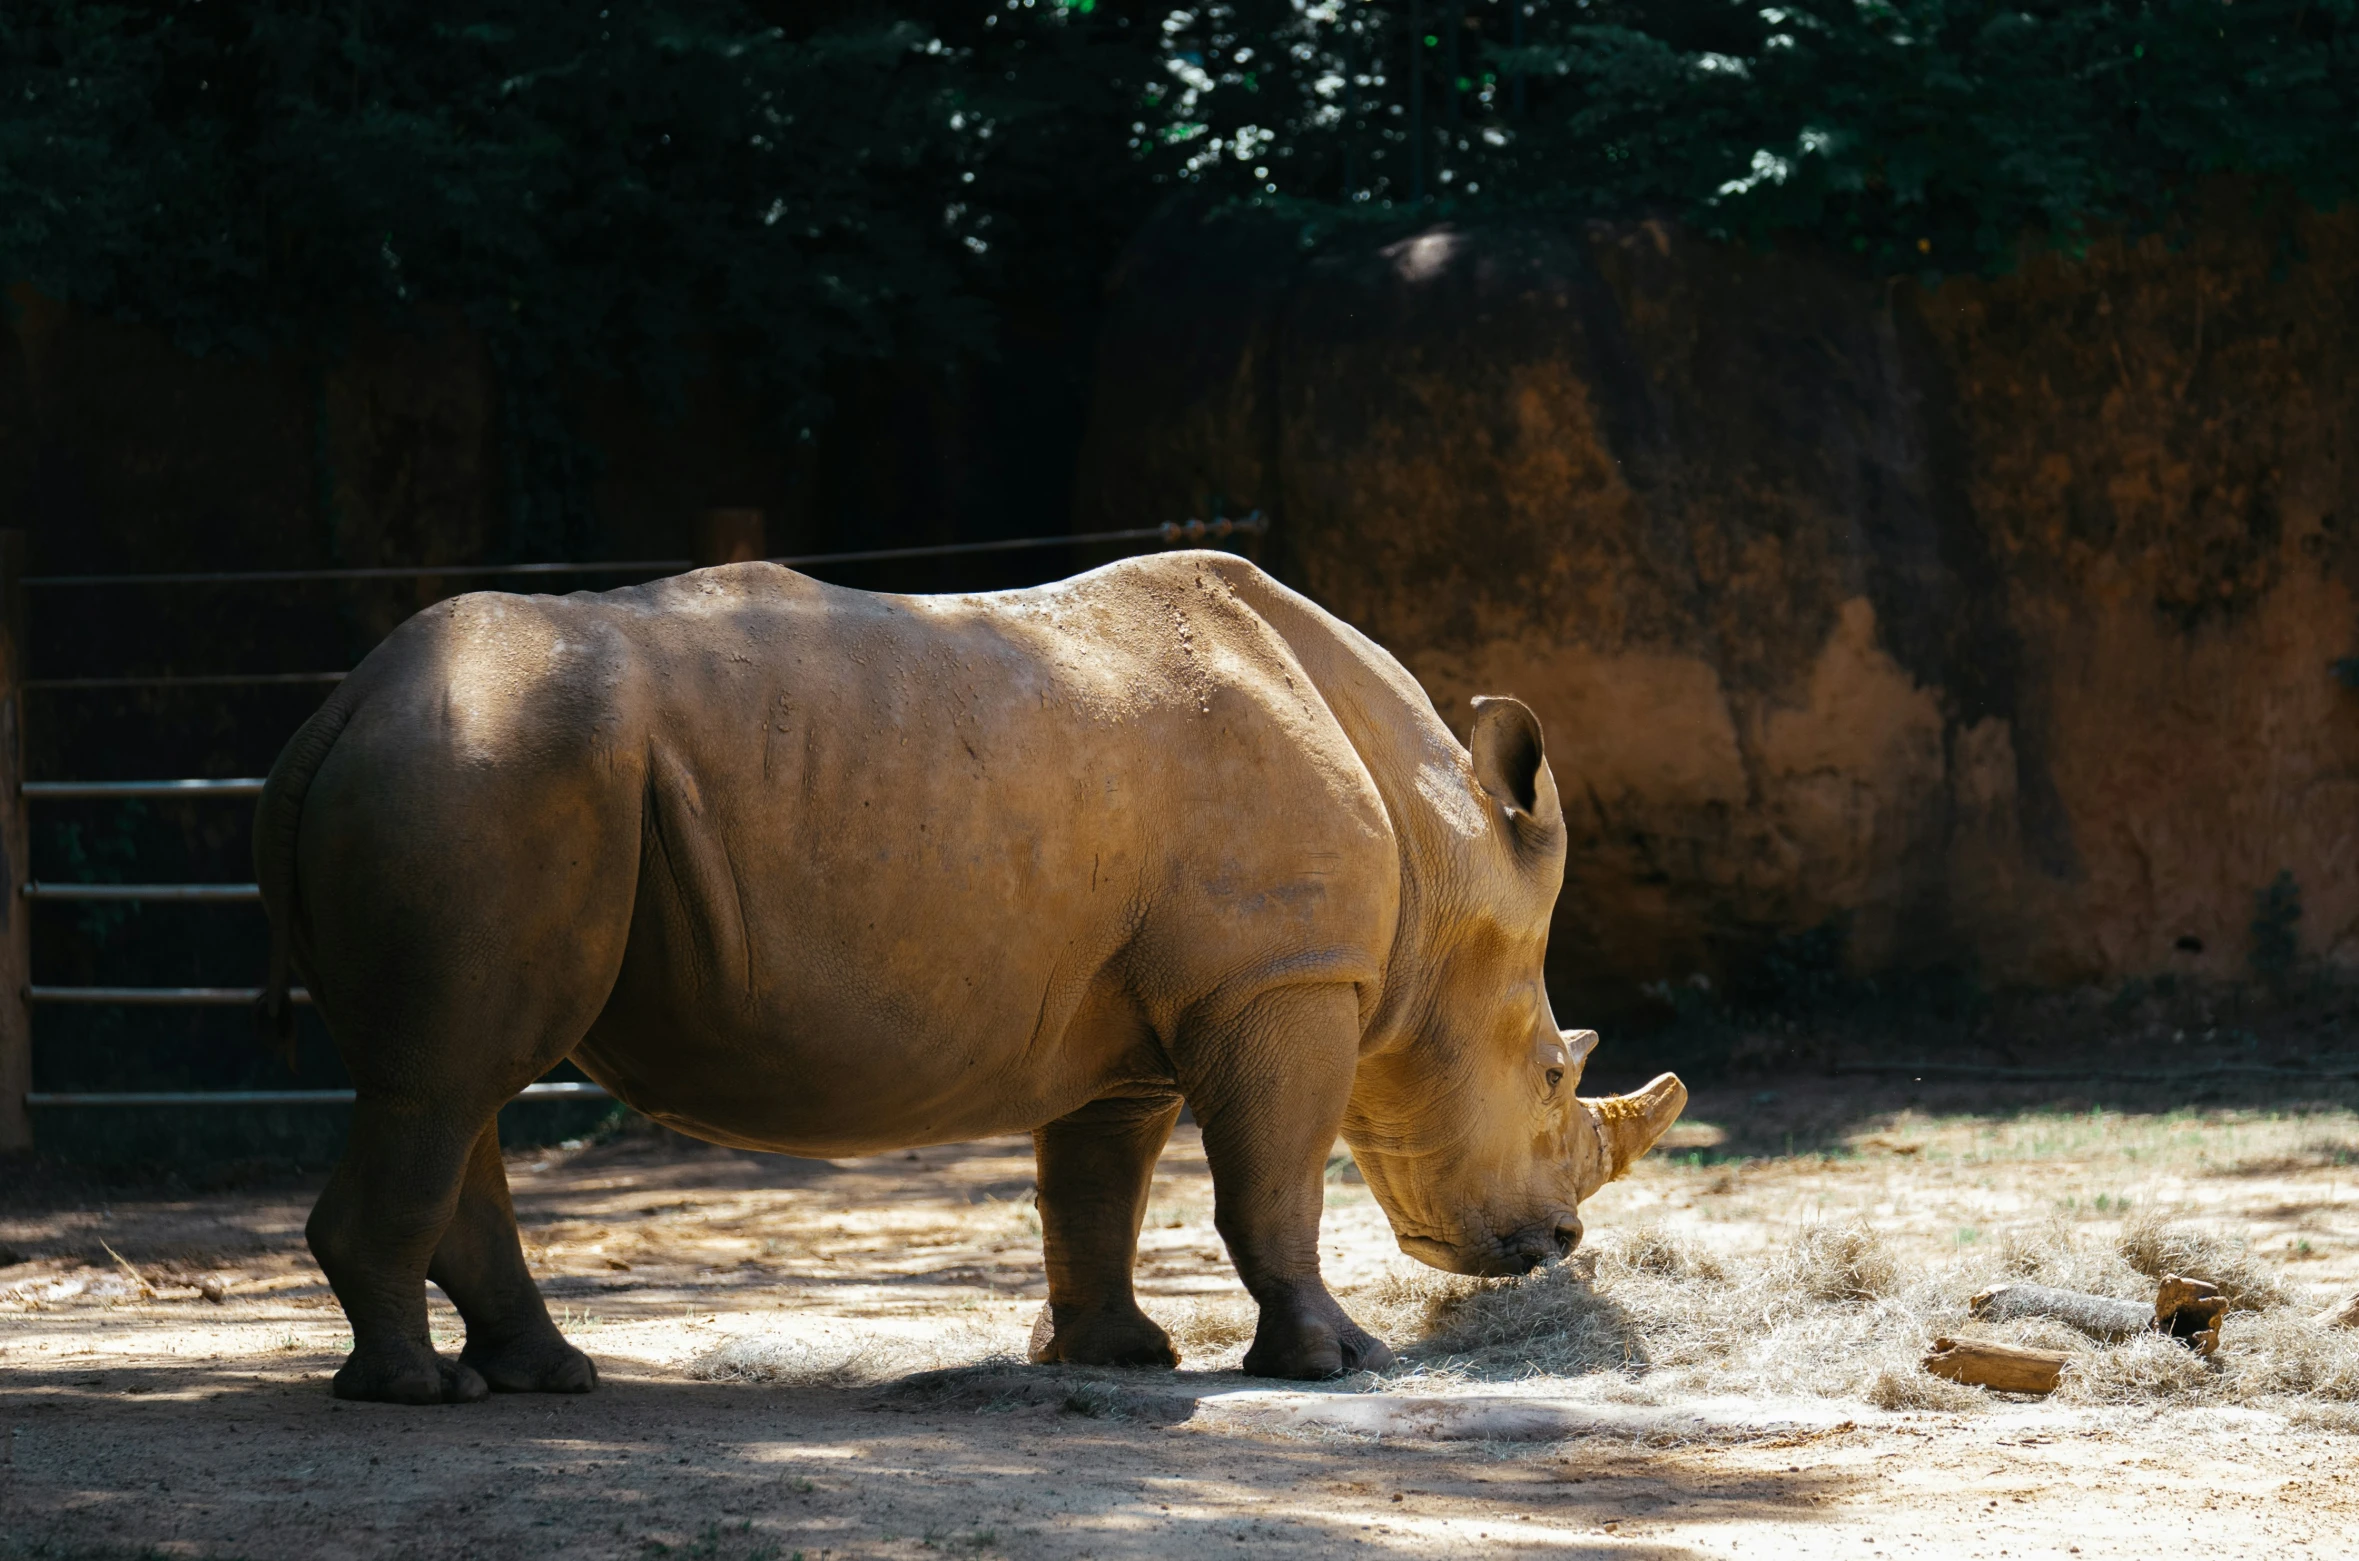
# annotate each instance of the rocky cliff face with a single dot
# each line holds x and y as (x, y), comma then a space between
(1991, 624)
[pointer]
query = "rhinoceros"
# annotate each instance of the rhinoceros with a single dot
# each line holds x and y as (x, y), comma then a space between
(799, 868)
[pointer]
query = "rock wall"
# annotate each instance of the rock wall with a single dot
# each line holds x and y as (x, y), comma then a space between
(1991, 623)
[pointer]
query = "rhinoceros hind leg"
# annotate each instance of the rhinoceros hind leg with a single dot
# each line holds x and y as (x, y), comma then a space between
(373, 1232)
(1269, 1084)
(479, 1264)
(1095, 1166)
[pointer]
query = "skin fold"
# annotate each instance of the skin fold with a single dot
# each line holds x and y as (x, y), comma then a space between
(825, 872)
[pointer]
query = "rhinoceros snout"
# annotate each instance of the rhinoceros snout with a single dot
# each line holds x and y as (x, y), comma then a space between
(1538, 1247)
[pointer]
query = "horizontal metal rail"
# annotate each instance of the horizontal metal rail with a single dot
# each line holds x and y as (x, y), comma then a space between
(211, 893)
(186, 680)
(1169, 533)
(249, 786)
(158, 996)
(275, 1097)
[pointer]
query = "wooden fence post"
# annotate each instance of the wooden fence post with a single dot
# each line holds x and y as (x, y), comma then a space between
(729, 536)
(16, 942)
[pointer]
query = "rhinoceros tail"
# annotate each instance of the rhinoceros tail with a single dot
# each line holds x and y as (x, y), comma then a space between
(278, 819)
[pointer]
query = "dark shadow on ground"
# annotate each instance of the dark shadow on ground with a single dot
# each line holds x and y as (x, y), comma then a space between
(219, 1464)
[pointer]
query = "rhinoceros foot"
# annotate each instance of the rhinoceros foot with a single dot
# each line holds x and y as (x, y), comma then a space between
(1106, 1337)
(407, 1374)
(1311, 1341)
(546, 1364)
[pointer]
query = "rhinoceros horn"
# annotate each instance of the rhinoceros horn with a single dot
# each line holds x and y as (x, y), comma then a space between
(1628, 1125)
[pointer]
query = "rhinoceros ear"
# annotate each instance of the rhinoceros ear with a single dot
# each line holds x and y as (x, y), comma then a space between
(1509, 759)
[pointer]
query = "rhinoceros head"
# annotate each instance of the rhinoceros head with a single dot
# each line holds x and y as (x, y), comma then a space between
(1467, 1121)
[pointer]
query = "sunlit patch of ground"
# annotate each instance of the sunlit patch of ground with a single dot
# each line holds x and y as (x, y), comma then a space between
(133, 1412)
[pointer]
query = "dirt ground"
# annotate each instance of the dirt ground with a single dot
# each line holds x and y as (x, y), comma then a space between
(822, 1359)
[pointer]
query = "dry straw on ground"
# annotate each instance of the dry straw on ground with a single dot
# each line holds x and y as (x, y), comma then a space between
(1833, 1314)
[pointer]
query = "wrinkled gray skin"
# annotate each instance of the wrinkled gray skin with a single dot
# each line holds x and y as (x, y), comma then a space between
(805, 869)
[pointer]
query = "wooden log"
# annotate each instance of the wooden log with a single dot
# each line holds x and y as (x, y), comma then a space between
(2343, 1314)
(2190, 1310)
(2007, 1367)
(2098, 1316)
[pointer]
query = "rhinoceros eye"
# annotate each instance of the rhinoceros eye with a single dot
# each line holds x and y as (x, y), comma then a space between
(1555, 1077)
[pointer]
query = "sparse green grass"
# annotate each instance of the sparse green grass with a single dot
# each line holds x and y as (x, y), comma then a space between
(2208, 1139)
(2195, 1138)
(719, 1542)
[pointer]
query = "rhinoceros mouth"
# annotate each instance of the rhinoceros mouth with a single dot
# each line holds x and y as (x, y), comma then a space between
(1434, 1253)
(1501, 1258)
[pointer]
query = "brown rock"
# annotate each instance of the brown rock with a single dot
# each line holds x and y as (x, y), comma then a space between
(2343, 1314)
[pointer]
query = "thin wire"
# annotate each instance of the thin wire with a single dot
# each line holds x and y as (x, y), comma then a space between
(404, 572)
(276, 1097)
(1174, 531)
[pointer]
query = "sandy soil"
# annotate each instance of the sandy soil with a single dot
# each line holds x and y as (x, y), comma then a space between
(891, 1293)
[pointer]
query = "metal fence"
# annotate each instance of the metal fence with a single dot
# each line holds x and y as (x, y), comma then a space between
(18, 1100)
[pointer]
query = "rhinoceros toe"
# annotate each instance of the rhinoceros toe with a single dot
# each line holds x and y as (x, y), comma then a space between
(1310, 1349)
(1101, 1338)
(542, 1365)
(406, 1374)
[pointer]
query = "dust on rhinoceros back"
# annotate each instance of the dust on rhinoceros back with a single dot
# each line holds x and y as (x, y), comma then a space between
(799, 868)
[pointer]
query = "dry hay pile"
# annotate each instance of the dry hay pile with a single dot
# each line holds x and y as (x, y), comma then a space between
(1835, 1314)
(1832, 1314)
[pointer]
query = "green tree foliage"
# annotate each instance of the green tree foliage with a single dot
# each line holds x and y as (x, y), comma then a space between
(771, 187)
(630, 189)
(766, 189)
(600, 185)
(1920, 134)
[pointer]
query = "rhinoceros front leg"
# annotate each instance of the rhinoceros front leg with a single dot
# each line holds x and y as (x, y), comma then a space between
(511, 1343)
(1268, 1084)
(1095, 1167)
